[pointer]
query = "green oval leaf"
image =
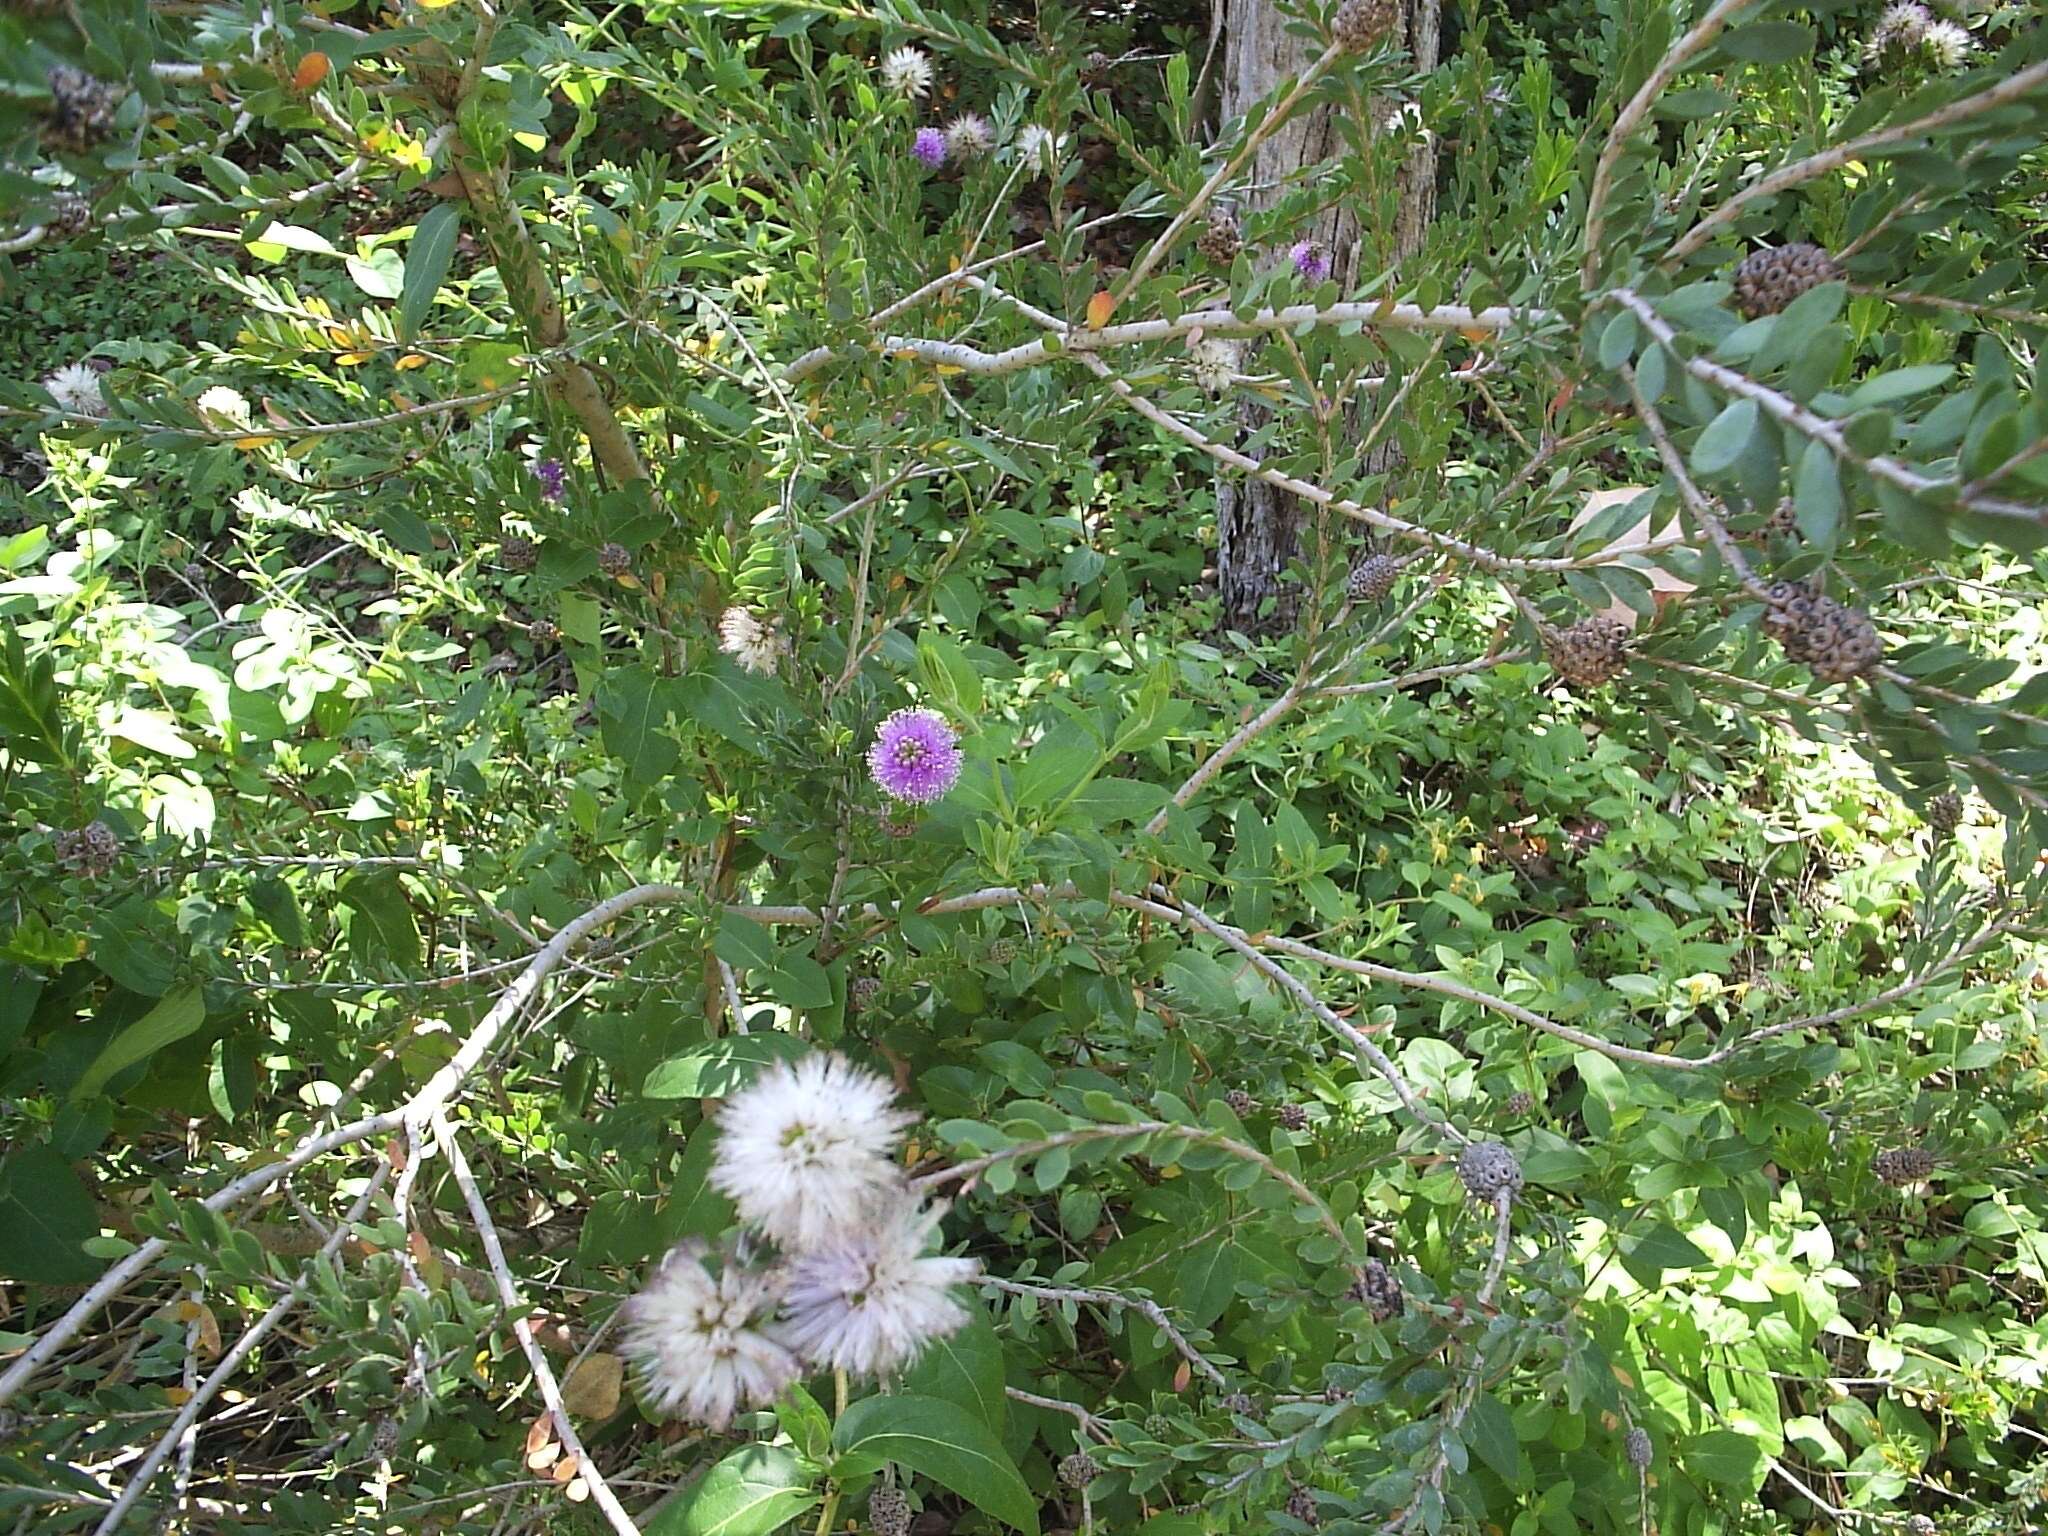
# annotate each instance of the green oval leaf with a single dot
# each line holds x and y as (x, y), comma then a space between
(1725, 438)
(426, 264)
(755, 1490)
(934, 1437)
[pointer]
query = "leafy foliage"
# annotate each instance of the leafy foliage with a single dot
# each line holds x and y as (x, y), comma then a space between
(408, 849)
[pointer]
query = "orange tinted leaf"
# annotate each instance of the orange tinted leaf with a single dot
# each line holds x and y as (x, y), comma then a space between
(311, 71)
(1099, 309)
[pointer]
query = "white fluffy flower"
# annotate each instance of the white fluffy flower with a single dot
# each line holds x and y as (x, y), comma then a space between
(804, 1150)
(748, 641)
(869, 1301)
(1039, 148)
(1212, 362)
(1901, 26)
(969, 135)
(1946, 45)
(223, 407)
(76, 389)
(907, 72)
(695, 1337)
(1904, 18)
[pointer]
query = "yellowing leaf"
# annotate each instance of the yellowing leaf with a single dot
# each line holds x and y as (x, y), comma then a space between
(177, 1397)
(311, 71)
(1100, 308)
(410, 361)
(593, 1387)
(351, 359)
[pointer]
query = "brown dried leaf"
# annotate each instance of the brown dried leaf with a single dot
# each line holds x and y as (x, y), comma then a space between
(594, 1385)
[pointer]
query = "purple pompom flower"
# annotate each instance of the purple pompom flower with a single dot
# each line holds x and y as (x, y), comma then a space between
(1310, 260)
(548, 472)
(916, 756)
(930, 147)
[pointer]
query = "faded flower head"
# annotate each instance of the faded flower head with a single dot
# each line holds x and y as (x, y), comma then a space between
(804, 1150)
(916, 756)
(223, 407)
(1039, 148)
(699, 1340)
(969, 135)
(868, 1300)
(929, 146)
(76, 389)
(754, 645)
(907, 72)
(1212, 363)
(547, 474)
(1311, 261)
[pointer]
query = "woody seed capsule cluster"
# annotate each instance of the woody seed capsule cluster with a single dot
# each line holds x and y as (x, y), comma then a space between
(1359, 24)
(888, 1512)
(1221, 240)
(1301, 1504)
(615, 560)
(81, 110)
(1901, 1166)
(1945, 813)
(1769, 279)
(1078, 1470)
(1379, 1290)
(1489, 1168)
(1637, 1447)
(1590, 653)
(90, 850)
(1372, 579)
(1837, 642)
(518, 554)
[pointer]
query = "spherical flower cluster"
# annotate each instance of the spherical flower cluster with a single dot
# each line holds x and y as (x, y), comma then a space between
(1212, 363)
(1946, 45)
(805, 1153)
(915, 758)
(547, 474)
(701, 1339)
(907, 72)
(754, 645)
(867, 1300)
(803, 1148)
(929, 146)
(76, 389)
(1311, 261)
(969, 135)
(222, 407)
(1039, 149)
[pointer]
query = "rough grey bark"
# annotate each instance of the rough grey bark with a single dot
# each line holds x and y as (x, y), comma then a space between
(1260, 529)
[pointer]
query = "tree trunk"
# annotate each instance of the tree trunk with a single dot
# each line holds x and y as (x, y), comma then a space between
(1259, 528)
